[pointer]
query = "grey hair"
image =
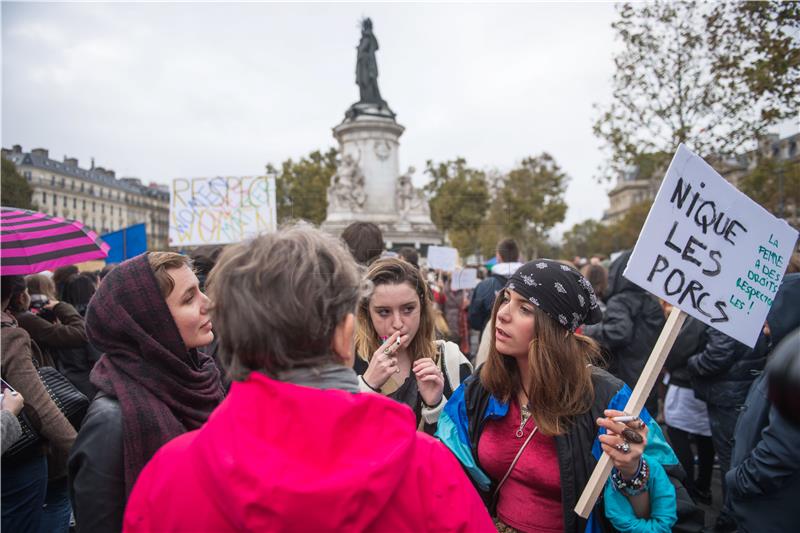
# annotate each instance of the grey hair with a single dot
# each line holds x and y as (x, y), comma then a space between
(277, 299)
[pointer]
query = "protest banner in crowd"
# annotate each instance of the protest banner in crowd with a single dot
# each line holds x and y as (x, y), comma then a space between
(464, 278)
(710, 250)
(220, 210)
(442, 258)
(712, 253)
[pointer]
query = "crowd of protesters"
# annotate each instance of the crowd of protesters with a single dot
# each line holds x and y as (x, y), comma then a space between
(301, 382)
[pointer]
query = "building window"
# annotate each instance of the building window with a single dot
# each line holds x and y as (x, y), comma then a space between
(55, 199)
(84, 204)
(82, 188)
(44, 198)
(94, 207)
(27, 175)
(103, 208)
(65, 201)
(63, 183)
(72, 184)
(52, 181)
(74, 203)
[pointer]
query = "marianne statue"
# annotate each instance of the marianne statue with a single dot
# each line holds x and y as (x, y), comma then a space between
(367, 66)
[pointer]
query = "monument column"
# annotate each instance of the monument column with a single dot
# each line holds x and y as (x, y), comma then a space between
(369, 185)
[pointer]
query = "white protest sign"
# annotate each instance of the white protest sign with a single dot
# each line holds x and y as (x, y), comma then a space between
(466, 278)
(709, 250)
(442, 258)
(220, 210)
(712, 253)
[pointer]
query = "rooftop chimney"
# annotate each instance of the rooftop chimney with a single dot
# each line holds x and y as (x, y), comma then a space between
(40, 152)
(71, 162)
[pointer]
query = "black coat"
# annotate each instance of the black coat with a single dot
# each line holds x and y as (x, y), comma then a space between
(691, 340)
(764, 479)
(96, 472)
(724, 370)
(630, 327)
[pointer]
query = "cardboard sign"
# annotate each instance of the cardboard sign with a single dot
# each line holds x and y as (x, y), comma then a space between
(442, 258)
(466, 278)
(709, 250)
(220, 210)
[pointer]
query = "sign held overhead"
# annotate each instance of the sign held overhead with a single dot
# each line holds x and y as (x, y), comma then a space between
(220, 210)
(711, 251)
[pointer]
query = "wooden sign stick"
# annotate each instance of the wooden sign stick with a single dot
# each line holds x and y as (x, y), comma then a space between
(634, 406)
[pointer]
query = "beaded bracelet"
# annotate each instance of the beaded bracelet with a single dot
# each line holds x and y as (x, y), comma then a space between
(637, 484)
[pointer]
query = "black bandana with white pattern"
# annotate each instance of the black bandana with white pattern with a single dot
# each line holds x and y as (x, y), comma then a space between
(558, 290)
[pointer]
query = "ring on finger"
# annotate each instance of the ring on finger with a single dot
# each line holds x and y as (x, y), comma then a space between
(635, 424)
(624, 447)
(631, 436)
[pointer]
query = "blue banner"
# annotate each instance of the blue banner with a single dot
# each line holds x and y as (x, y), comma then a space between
(126, 243)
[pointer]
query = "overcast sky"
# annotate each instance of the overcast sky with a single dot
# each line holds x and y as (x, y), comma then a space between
(159, 91)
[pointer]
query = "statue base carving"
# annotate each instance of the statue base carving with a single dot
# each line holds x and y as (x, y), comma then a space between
(368, 185)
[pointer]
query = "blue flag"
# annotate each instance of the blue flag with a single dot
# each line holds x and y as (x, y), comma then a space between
(126, 243)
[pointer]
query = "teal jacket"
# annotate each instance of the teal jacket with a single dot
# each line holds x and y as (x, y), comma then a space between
(470, 406)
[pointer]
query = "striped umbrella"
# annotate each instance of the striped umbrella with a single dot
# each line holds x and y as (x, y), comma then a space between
(31, 242)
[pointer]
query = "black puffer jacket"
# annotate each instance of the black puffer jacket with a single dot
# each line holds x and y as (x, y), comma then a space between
(630, 327)
(691, 340)
(723, 372)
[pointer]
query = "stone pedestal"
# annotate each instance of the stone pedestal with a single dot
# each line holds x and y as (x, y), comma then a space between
(368, 185)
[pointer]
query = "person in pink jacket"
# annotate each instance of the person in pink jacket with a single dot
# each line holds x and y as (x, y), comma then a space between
(295, 446)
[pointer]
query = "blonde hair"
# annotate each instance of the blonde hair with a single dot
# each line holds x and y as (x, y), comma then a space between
(41, 284)
(560, 384)
(391, 271)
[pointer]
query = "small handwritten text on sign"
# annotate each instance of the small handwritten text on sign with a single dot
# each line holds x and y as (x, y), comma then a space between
(709, 250)
(220, 210)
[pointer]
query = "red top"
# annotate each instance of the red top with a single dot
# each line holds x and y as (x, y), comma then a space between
(530, 500)
(280, 457)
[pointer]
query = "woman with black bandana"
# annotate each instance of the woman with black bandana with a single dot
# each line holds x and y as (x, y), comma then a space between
(531, 423)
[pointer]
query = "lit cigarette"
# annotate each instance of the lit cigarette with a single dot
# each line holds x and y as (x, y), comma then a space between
(626, 418)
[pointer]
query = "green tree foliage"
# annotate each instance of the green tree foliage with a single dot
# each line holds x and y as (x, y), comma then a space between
(711, 76)
(479, 208)
(14, 189)
(585, 239)
(458, 199)
(755, 55)
(531, 202)
(592, 237)
(494, 228)
(776, 186)
(301, 186)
